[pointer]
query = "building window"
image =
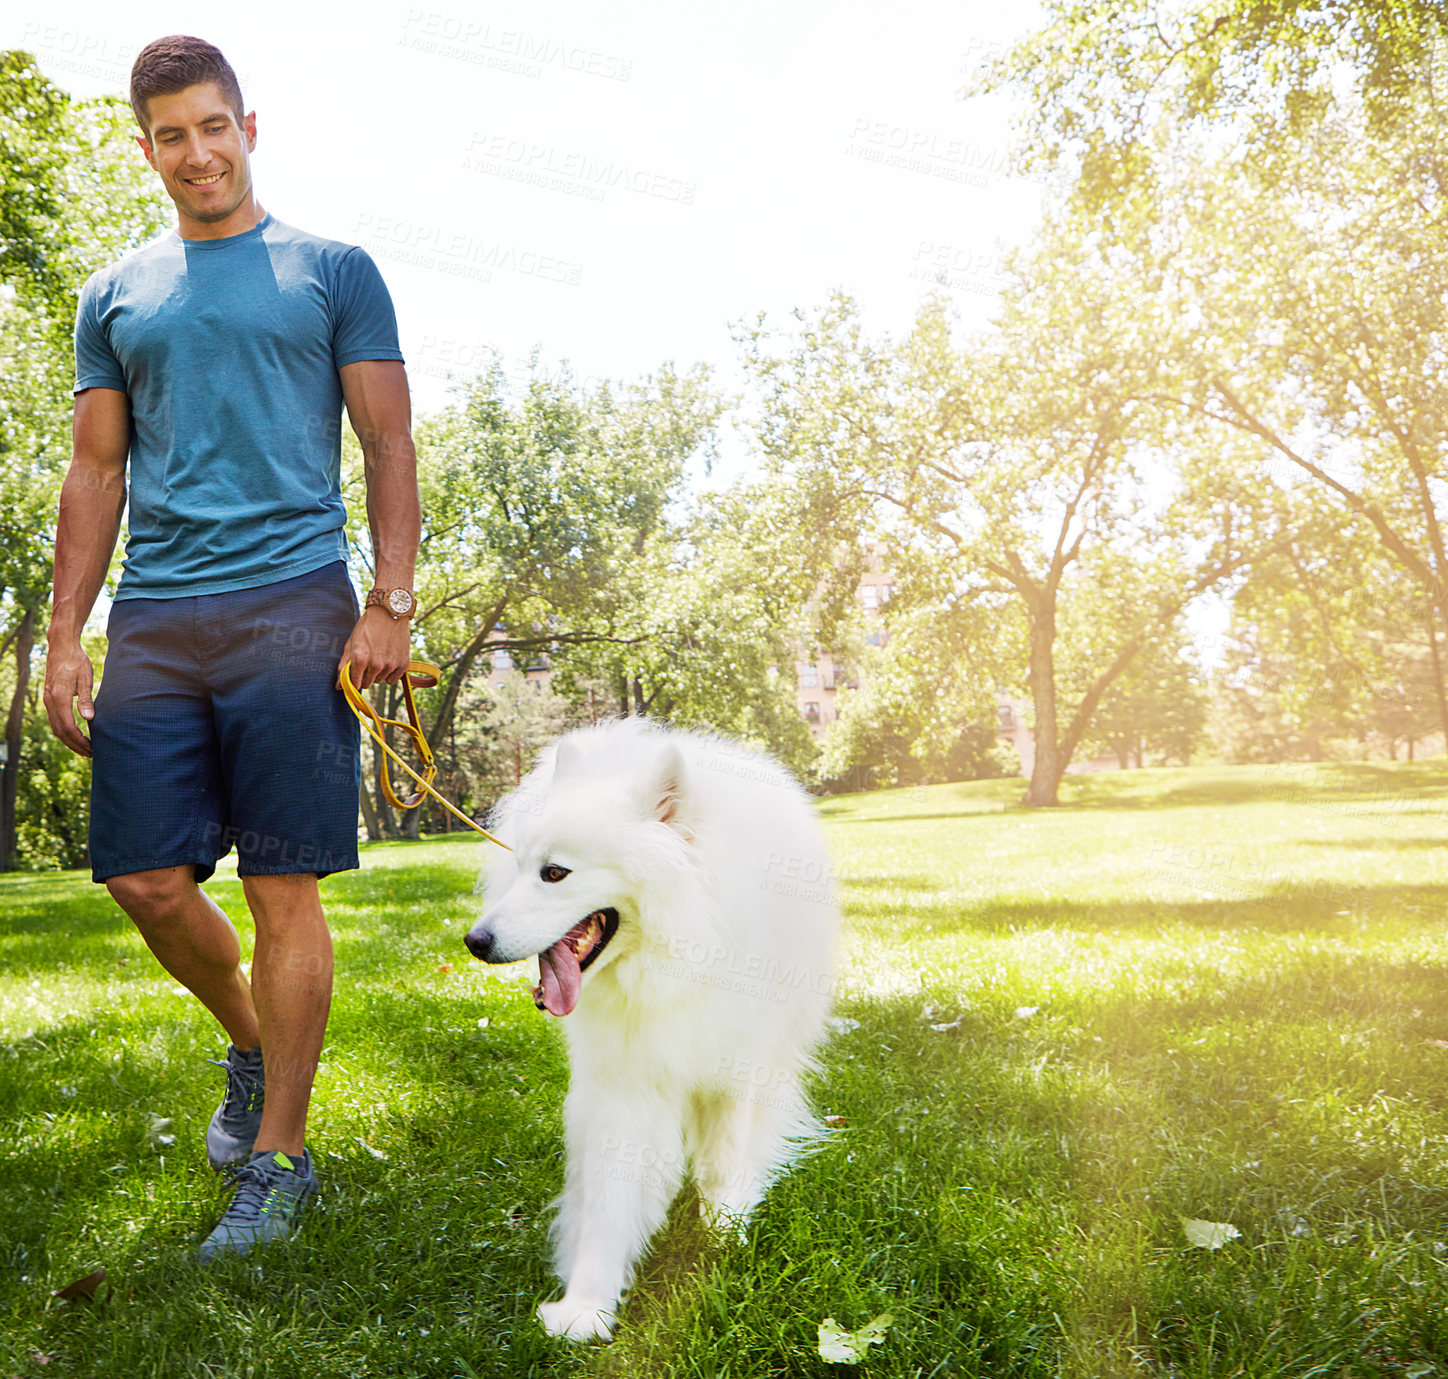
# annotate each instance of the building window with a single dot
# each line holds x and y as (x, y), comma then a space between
(839, 673)
(501, 660)
(870, 596)
(809, 677)
(812, 713)
(886, 591)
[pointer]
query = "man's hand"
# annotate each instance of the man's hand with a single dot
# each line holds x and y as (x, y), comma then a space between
(69, 677)
(379, 649)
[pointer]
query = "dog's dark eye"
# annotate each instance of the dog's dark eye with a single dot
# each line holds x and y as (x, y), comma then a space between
(553, 872)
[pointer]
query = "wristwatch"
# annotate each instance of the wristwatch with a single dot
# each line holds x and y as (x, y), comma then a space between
(400, 603)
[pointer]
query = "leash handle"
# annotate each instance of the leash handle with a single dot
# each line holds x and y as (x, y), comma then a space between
(427, 675)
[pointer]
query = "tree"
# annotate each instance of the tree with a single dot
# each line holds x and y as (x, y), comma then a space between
(501, 730)
(537, 512)
(1340, 644)
(1311, 332)
(73, 194)
(1015, 461)
(1156, 706)
(1102, 76)
(722, 596)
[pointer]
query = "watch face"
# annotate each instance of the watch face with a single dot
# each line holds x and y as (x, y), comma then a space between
(399, 601)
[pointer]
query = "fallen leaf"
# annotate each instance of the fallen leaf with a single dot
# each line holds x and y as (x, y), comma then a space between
(376, 1153)
(1209, 1235)
(443, 968)
(837, 1122)
(82, 1287)
(841, 1347)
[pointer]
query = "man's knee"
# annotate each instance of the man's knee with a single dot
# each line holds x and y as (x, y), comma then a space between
(151, 897)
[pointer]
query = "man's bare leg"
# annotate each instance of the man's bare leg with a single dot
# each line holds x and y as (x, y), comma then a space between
(291, 985)
(194, 941)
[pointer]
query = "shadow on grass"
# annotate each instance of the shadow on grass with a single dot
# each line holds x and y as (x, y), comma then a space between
(1319, 908)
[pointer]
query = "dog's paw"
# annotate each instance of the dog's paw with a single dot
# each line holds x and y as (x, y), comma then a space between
(577, 1321)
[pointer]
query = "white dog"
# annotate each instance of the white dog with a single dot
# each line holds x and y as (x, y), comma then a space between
(678, 895)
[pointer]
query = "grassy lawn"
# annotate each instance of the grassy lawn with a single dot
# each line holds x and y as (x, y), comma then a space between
(1210, 994)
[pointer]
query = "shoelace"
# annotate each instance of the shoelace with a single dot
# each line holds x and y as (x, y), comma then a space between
(252, 1185)
(241, 1085)
(255, 1192)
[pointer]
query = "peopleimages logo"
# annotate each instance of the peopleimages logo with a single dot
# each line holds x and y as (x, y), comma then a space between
(570, 171)
(458, 253)
(926, 151)
(471, 40)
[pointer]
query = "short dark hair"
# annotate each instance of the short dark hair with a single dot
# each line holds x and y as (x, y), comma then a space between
(173, 63)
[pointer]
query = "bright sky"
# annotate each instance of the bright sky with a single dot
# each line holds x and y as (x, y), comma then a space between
(613, 185)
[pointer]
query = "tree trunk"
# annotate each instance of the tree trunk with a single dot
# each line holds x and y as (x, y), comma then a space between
(462, 668)
(369, 814)
(386, 823)
(1438, 686)
(14, 732)
(1048, 767)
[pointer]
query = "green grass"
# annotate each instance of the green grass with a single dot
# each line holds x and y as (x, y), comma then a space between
(1207, 993)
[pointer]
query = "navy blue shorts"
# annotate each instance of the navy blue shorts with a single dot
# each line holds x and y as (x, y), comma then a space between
(217, 725)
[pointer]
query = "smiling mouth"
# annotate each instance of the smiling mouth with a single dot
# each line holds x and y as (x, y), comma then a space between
(204, 181)
(561, 966)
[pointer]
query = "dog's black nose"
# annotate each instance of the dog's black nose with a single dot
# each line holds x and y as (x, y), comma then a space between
(480, 943)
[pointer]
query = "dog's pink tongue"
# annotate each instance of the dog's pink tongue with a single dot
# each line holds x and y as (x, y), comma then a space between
(561, 979)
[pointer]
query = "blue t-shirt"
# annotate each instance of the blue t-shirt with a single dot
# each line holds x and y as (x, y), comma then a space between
(228, 350)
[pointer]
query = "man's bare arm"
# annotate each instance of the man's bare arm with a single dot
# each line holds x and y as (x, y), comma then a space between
(381, 415)
(92, 499)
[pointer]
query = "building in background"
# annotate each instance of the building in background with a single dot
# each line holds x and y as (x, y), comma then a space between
(818, 682)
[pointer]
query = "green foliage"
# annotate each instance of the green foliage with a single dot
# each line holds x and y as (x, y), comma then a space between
(53, 805)
(717, 600)
(34, 134)
(499, 733)
(1013, 471)
(74, 194)
(1156, 707)
(927, 704)
(1103, 76)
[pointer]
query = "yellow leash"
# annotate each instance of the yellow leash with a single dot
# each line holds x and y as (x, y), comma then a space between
(428, 675)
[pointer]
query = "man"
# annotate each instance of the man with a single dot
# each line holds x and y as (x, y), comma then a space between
(216, 360)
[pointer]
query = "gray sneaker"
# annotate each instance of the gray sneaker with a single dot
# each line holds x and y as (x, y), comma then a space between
(233, 1128)
(270, 1192)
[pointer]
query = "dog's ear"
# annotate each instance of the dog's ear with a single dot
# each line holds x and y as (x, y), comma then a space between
(565, 758)
(666, 795)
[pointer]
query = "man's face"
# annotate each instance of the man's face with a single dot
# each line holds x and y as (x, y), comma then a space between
(201, 153)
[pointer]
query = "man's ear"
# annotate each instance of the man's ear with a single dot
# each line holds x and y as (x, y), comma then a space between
(146, 149)
(666, 793)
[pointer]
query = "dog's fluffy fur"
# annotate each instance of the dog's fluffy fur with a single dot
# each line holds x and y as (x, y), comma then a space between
(700, 866)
